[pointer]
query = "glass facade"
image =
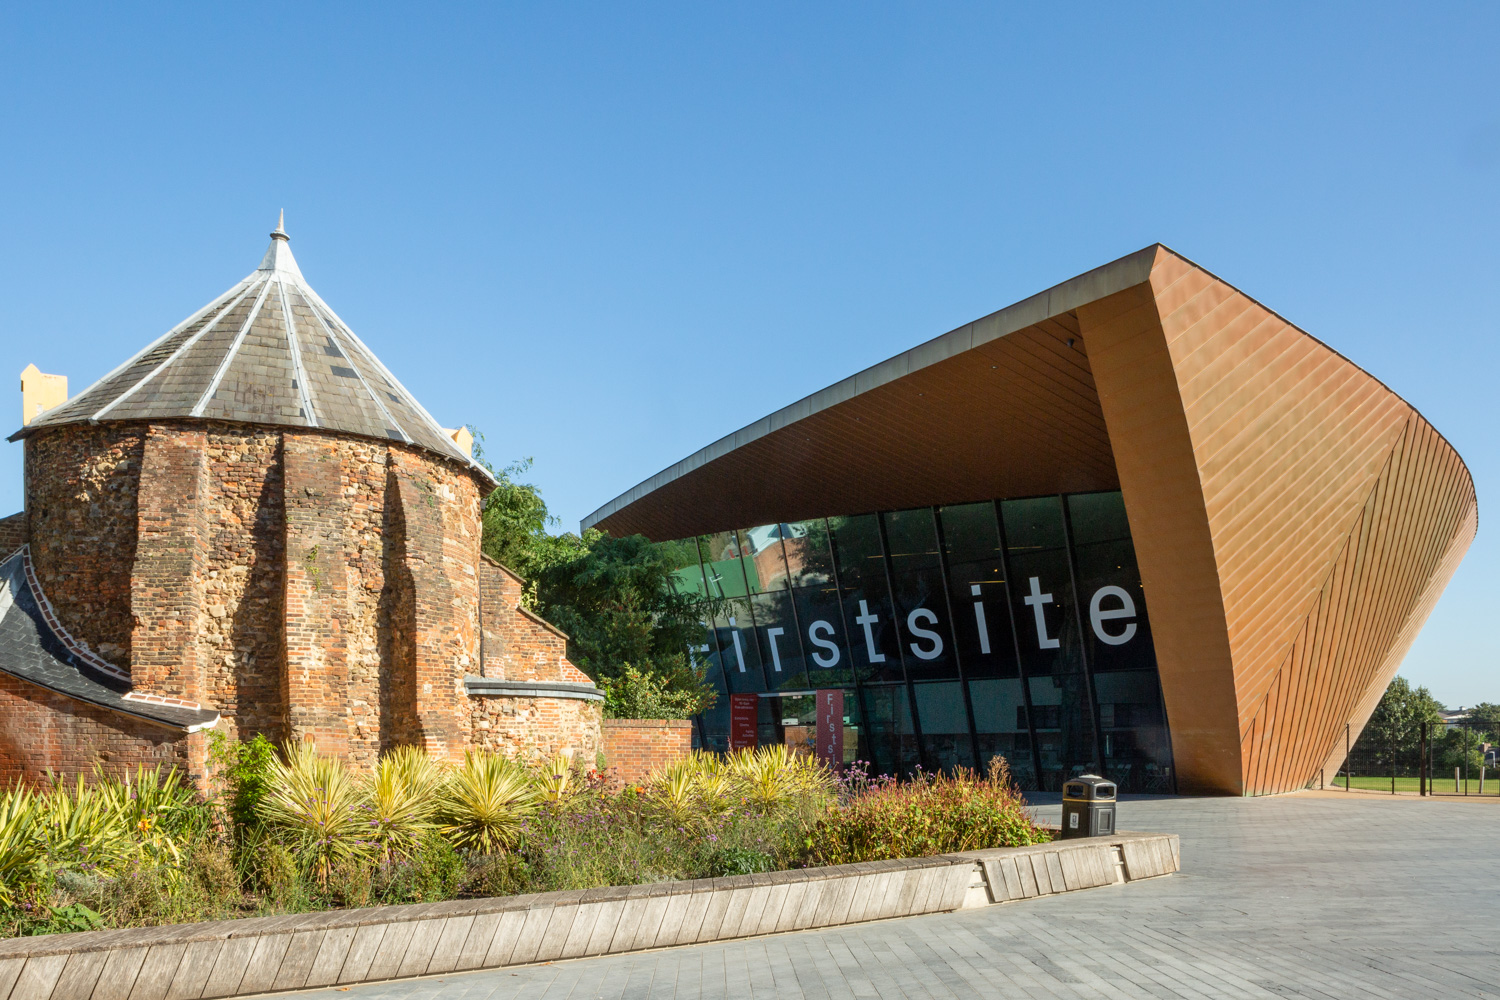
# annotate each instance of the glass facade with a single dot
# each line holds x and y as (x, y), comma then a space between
(1015, 628)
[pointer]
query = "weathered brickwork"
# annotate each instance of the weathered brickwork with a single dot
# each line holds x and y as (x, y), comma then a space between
(171, 563)
(303, 584)
(440, 510)
(81, 487)
(239, 636)
(12, 533)
(43, 731)
(529, 728)
(519, 646)
(633, 748)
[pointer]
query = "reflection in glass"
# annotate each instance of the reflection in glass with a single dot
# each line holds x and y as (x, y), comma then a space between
(866, 597)
(886, 737)
(944, 725)
(921, 598)
(1047, 633)
(1137, 750)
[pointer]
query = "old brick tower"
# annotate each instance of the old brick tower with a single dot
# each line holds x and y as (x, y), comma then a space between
(251, 524)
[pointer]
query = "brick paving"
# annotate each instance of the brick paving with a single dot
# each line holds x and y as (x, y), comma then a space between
(1296, 896)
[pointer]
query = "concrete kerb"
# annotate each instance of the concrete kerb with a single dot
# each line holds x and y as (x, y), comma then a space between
(298, 951)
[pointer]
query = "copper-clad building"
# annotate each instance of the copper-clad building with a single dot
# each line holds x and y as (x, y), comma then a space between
(1137, 523)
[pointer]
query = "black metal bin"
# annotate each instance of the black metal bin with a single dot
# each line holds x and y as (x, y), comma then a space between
(1088, 807)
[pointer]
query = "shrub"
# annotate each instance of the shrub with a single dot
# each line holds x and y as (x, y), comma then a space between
(934, 814)
(484, 803)
(20, 850)
(556, 781)
(317, 802)
(402, 797)
(773, 777)
(638, 694)
(83, 826)
(245, 771)
(433, 872)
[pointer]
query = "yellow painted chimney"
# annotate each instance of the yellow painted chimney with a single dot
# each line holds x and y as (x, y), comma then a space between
(462, 438)
(39, 392)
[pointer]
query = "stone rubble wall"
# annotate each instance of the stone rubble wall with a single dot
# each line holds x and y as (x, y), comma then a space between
(303, 584)
(13, 534)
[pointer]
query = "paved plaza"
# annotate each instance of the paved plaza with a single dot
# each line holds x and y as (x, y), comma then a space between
(1296, 896)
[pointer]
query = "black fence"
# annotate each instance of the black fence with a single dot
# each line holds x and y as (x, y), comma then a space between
(1455, 759)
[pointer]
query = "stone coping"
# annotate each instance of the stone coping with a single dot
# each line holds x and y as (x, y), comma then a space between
(304, 950)
(494, 687)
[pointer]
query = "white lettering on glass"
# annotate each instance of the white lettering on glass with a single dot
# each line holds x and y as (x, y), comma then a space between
(739, 653)
(867, 619)
(936, 649)
(831, 658)
(1036, 599)
(984, 629)
(1098, 614)
(771, 634)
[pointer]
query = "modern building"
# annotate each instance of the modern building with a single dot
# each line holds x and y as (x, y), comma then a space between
(1136, 524)
(252, 525)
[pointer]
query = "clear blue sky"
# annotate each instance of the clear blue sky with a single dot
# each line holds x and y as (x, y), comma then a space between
(609, 234)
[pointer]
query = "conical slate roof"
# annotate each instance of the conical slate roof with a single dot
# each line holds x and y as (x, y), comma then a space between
(268, 351)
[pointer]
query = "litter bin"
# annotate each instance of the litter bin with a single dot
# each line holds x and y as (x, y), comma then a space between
(1088, 807)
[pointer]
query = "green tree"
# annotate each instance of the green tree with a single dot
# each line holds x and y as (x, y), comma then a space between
(1397, 721)
(629, 628)
(1485, 717)
(1458, 747)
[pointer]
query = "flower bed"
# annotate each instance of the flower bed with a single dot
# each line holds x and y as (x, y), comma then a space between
(300, 832)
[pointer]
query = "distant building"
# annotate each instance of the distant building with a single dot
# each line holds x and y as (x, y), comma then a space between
(252, 525)
(1136, 524)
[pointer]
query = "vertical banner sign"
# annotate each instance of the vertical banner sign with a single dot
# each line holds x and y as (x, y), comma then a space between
(742, 717)
(830, 738)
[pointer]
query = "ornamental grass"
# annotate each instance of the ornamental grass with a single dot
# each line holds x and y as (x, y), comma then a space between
(294, 830)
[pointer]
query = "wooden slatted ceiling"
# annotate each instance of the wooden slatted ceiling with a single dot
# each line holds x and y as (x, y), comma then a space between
(1380, 589)
(1016, 416)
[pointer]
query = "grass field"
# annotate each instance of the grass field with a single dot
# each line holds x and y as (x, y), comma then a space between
(1440, 785)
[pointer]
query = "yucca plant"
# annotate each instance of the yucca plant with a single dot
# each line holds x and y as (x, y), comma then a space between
(163, 813)
(82, 825)
(20, 850)
(401, 800)
(318, 802)
(772, 777)
(555, 780)
(484, 802)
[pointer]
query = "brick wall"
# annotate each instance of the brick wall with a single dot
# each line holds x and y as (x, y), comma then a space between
(12, 533)
(44, 731)
(633, 748)
(81, 515)
(519, 646)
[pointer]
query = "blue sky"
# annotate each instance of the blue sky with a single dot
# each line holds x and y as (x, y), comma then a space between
(609, 234)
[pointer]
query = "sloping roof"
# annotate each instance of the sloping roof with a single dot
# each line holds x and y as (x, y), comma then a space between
(267, 351)
(37, 649)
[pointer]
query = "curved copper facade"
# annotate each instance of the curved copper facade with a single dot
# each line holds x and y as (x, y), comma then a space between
(1295, 521)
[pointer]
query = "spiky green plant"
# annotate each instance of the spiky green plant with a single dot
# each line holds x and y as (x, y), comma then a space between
(772, 777)
(316, 801)
(401, 800)
(20, 848)
(555, 780)
(485, 801)
(162, 812)
(79, 825)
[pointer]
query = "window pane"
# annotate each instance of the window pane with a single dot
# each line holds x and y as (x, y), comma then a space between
(1137, 751)
(1047, 627)
(1000, 724)
(921, 599)
(781, 647)
(867, 609)
(944, 724)
(723, 566)
(809, 555)
(765, 565)
(886, 737)
(688, 576)
(976, 580)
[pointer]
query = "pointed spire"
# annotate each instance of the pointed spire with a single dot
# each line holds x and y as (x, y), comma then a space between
(279, 255)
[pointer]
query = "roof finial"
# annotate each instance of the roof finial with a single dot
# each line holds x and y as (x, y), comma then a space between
(280, 231)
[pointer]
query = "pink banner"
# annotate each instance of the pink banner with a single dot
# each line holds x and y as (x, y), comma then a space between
(743, 709)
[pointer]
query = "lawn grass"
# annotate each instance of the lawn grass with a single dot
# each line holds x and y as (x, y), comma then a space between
(1438, 786)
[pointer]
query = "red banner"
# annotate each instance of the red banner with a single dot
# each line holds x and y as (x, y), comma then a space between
(743, 709)
(830, 739)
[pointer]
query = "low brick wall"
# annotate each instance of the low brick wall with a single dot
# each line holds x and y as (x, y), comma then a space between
(633, 748)
(264, 954)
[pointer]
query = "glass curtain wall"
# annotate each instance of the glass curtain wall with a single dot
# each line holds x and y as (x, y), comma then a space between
(1014, 628)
